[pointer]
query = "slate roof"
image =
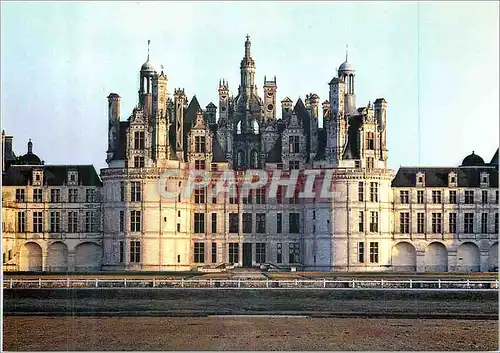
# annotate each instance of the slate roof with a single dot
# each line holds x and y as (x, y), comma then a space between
(303, 115)
(122, 143)
(320, 155)
(274, 155)
(218, 154)
(54, 175)
(438, 176)
(352, 148)
(494, 160)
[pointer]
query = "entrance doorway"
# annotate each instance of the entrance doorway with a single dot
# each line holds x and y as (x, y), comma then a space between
(247, 254)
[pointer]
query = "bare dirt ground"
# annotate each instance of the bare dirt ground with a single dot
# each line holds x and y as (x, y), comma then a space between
(245, 333)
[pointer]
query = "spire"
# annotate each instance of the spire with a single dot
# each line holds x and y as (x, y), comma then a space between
(346, 51)
(149, 42)
(30, 147)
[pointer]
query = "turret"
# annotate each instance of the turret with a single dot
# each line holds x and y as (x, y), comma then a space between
(269, 100)
(380, 107)
(211, 112)
(286, 108)
(180, 102)
(346, 73)
(145, 85)
(223, 102)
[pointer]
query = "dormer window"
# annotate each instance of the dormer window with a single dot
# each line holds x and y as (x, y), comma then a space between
(452, 180)
(485, 179)
(37, 177)
(73, 177)
(420, 179)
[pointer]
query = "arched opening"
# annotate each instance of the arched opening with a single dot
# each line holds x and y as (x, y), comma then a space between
(238, 128)
(254, 159)
(88, 257)
(57, 257)
(436, 258)
(31, 257)
(468, 258)
(240, 159)
(255, 127)
(404, 257)
(493, 258)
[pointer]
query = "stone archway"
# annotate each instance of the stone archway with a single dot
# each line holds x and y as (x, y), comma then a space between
(436, 258)
(31, 257)
(88, 257)
(57, 257)
(468, 258)
(404, 257)
(493, 258)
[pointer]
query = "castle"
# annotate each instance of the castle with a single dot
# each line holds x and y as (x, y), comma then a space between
(421, 219)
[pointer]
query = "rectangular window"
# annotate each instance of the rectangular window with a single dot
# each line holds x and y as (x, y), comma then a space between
(484, 196)
(370, 141)
(72, 222)
(293, 165)
(121, 249)
(55, 222)
(469, 197)
(314, 215)
(357, 164)
(214, 222)
(233, 195)
(404, 196)
(73, 195)
(37, 222)
(260, 253)
(20, 195)
(199, 196)
(247, 223)
(260, 223)
(361, 222)
(135, 221)
(37, 195)
(89, 195)
(373, 252)
(199, 164)
(293, 223)
(90, 222)
(55, 195)
(404, 222)
(199, 223)
(453, 197)
(279, 223)
(374, 221)
(21, 221)
(420, 223)
(135, 191)
(436, 196)
(294, 144)
(122, 191)
(199, 144)
(496, 223)
(139, 140)
(361, 191)
(370, 163)
(420, 196)
(294, 253)
(135, 251)
(138, 162)
(373, 192)
(361, 252)
(178, 227)
(496, 197)
(436, 223)
(279, 253)
(452, 222)
(122, 220)
(279, 194)
(260, 196)
(468, 223)
(484, 223)
(214, 253)
(248, 200)
(234, 223)
(233, 253)
(199, 253)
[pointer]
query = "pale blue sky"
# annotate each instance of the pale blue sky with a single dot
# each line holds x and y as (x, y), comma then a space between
(59, 61)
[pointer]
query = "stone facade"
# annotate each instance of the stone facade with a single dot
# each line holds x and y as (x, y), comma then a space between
(373, 222)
